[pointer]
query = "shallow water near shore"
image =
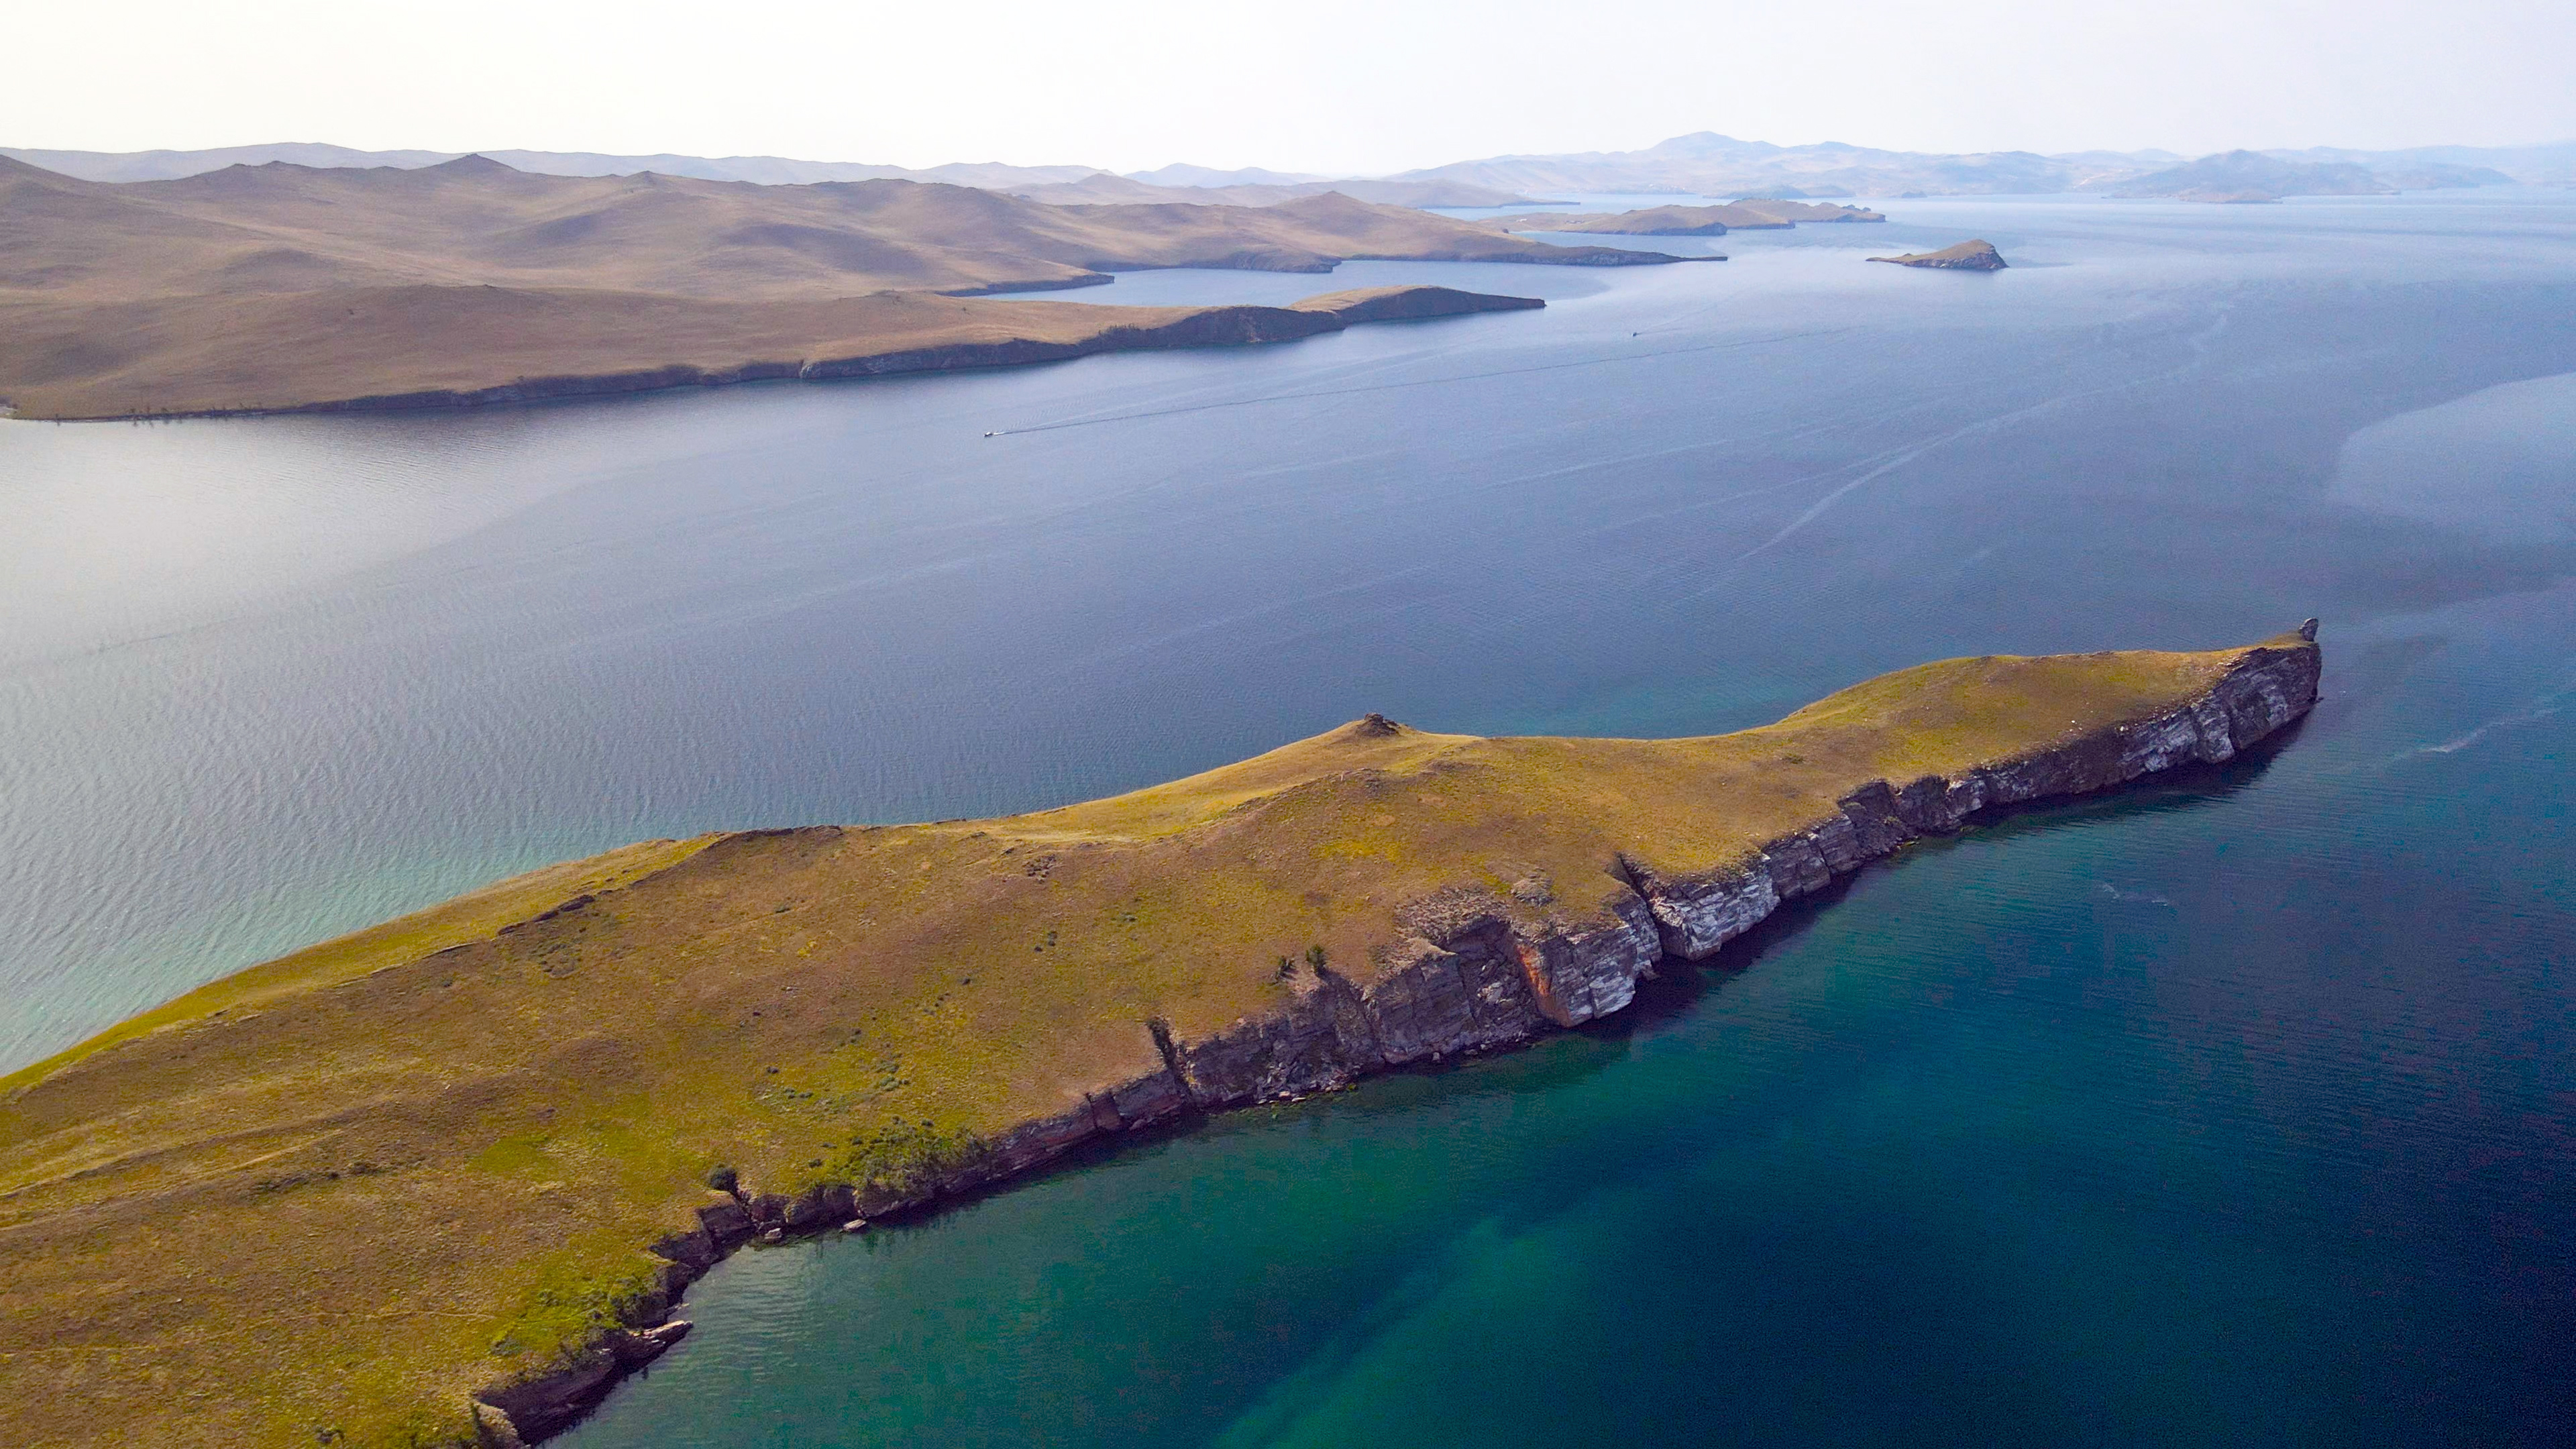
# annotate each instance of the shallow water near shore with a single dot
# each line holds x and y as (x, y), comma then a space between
(2241, 1108)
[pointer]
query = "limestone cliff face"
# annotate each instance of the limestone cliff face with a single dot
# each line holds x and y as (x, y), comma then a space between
(1474, 970)
(1476, 974)
(1697, 916)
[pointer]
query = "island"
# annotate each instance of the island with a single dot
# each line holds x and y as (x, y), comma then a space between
(445, 1180)
(1967, 256)
(282, 288)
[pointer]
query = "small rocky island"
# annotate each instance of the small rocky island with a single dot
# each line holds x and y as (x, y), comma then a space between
(445, 1180)
(1967, 256)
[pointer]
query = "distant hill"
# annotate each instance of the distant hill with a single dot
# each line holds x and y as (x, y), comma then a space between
(1759, 214)
(1250, 186)
(1101, 188)
(765, 170)
(1709, 164)
(2552, 165)
(1701, 164)
(170, 165)
(2253, 176)
(285, 286)
(2258, 176)
(1183, 174)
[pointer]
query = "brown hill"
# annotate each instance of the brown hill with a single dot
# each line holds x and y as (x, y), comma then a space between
(416, 346)
(145, 292)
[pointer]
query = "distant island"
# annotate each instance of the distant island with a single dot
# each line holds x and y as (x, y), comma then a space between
(444, 1180)
(284, 288)
(1967, 256)
(1753, 214)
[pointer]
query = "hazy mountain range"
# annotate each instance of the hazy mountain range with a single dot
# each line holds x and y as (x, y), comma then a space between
(2255, 176)
(1709, 164)
(1701, 164)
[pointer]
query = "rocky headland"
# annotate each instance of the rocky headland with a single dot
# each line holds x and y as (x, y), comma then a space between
(1967, 256)
(446, 1180)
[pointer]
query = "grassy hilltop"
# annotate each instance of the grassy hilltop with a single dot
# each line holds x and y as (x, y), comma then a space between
(338, 1193)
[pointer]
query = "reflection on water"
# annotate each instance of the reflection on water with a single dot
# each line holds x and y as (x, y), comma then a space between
(2238, 1112)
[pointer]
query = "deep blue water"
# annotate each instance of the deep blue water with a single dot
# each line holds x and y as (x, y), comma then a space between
(2240, 1110)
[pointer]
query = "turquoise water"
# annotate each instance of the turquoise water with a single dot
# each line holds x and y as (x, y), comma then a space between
(2243, 1109)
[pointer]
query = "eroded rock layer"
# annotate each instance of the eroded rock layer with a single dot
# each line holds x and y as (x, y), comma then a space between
(1471, 973)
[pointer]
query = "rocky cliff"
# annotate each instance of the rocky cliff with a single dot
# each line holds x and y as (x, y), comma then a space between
(1473, 970)
(1477, 971)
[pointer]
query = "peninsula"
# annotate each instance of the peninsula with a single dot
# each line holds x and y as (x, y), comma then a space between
(397, 348)
(282, 287)
(444, 1180)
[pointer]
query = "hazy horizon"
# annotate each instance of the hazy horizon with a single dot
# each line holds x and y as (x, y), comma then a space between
(1343, 90)
(1185, 161)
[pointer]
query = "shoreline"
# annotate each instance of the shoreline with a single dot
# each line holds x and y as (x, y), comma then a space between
(1218, 325)
(1449, 1000)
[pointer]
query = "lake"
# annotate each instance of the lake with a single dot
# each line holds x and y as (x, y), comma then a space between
(2242, 1108)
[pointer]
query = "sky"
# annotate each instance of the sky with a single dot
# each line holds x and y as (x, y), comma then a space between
(1336, 86)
